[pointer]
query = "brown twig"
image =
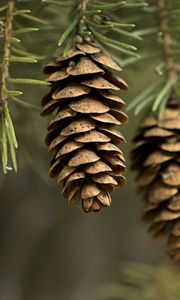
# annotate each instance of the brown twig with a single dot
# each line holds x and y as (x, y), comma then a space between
(6, 52)
(168, 42)
(81, 9)
(84, 5)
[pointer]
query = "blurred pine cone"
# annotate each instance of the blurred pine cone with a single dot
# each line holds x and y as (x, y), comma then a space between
(82, 134)
(156, 157)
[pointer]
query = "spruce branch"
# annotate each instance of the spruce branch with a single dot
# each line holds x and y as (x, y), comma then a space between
(13, 52)
(168, 41)
(81, 11)
(93, 21)
(160, 42)
(7, 52)
(7, 128)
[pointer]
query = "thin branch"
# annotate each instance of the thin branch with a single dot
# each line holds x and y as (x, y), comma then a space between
(6, 52)
(84, 4)
(168, 42)
(82, 7)
(8, 141)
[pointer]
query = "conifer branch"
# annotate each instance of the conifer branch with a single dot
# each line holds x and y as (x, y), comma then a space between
(162, 18)
(12, 52)
(7, 52)
(168, 50)
(94, 20)
(7, 128)
(82, 8)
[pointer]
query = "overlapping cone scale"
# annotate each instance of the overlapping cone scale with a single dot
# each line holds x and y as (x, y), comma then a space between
(156, 157)
(82, 133)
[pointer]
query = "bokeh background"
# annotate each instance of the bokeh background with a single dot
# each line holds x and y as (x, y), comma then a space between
(48, 250)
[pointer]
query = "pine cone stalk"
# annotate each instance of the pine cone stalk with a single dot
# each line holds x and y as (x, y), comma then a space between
(156, 157)
(82, 134)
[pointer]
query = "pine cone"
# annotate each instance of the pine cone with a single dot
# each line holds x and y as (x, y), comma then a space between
(82, 134)
(156, 157)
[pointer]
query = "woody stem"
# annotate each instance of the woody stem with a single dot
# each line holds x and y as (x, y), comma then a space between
(168, 42)
(6, 52)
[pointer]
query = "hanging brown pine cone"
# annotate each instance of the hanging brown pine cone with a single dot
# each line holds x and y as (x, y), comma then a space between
(156, 157)
(82, 134)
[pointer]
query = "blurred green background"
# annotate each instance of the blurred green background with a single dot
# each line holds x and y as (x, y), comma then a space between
(48, 250)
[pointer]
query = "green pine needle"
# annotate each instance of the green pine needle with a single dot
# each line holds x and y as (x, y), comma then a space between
(164, 93)
(4, 151)
(25, 30)
(28, 81)
(68, 31)
(108, 6)
(9, 125)
(59, 3)
(22, 59)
